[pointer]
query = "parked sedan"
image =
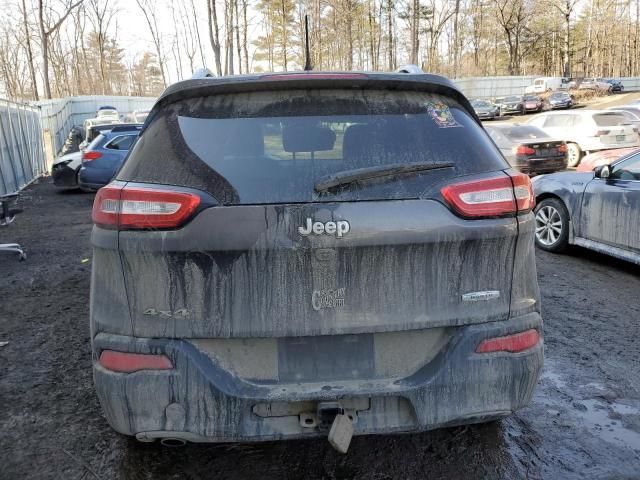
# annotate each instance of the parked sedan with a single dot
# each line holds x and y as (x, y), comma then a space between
(597, 210)
(587, 131)
(533, 103)
(529, 149)
(616, 85)
(485, 109)
(559, 100)
(103, 157)
(512, 104)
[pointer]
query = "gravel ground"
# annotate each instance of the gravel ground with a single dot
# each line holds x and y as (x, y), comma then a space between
(584, 421)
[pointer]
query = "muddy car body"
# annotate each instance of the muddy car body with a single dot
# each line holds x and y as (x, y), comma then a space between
(597, 210)
(281, 251)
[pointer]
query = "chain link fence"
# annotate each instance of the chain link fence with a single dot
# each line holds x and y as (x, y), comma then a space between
(22, 157)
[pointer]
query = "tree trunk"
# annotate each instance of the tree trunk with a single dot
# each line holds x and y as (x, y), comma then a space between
(391, 59)
(27, 37)
(44, 45)
(214, 33)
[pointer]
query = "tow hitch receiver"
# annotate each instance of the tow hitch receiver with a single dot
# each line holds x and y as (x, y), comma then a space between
(331, 415)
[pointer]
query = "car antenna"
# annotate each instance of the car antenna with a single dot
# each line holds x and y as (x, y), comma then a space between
(307, 60)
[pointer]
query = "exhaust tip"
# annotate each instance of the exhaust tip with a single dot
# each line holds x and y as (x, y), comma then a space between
(173, 442)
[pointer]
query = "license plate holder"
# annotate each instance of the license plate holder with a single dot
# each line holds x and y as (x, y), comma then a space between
(620, 138)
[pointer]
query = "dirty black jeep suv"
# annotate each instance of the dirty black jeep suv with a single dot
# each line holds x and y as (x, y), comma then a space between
(282, 252)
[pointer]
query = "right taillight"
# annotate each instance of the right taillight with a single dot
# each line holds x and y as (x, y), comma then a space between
(518, 342)
(492, 197)
(89, 155)
(133, 208)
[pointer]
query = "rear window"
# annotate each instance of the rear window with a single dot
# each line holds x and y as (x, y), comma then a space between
(524, 133)
(609, 119)
(274, 147)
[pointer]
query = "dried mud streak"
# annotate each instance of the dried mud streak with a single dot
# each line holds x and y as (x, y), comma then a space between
(590, 306)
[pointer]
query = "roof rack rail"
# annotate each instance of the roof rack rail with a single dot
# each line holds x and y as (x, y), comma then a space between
(412, 69)
(127, 127)
(202, 73)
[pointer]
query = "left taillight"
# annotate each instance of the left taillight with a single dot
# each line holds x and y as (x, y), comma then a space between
(492, 197)
(124, 362)
(89, 155)
(134, 208)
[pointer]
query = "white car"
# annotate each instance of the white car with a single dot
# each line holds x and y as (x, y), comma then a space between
(588, 131)
(597, 84)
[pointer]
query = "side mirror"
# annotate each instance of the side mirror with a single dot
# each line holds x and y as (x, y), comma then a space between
(603, 171)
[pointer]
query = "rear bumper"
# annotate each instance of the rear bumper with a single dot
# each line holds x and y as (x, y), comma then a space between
(94, 178)
(545, 165)
(200, 401)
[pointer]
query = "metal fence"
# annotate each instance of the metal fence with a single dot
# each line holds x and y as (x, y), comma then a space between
(495, 87)
(22, 157)
(58, 116)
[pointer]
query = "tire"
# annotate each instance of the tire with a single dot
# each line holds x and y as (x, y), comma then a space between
(574, 154)
(552, 225)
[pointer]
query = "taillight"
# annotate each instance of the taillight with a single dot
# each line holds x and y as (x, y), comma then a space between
(132, 208)
(523, 150)
(89, 155)
(518, 342)
(523, 191)
(562, 148)
(492, 197)
(124, 362)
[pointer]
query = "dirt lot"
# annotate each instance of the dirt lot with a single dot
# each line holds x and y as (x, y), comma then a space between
(584, 421)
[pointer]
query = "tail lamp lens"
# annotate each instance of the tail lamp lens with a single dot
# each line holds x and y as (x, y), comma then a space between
(524, 150)
(562, 148)
(493, 197)
(518, 342)
(131, 208)
(89, 155)
(133, 362)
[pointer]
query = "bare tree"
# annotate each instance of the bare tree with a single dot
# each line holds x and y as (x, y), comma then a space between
(28, 41)
(149, 11)
(214, 33)
(45, 14)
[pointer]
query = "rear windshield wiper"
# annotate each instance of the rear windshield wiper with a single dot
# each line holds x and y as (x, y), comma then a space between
(369, 173)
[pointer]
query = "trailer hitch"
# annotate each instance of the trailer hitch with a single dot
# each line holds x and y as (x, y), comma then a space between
(331, 416)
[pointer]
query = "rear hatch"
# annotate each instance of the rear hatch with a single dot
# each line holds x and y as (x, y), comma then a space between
(615, 130)
(321, 213)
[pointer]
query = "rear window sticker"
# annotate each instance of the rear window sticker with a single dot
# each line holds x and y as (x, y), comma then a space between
(441, 114)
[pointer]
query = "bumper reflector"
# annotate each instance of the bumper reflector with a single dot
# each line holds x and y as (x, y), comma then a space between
(511, 343)
(133, 362)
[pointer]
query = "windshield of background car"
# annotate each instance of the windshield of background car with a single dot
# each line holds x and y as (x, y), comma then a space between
(273, 147)
(559, 96)
(609, 119)
(531, 99)
(512, 99)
